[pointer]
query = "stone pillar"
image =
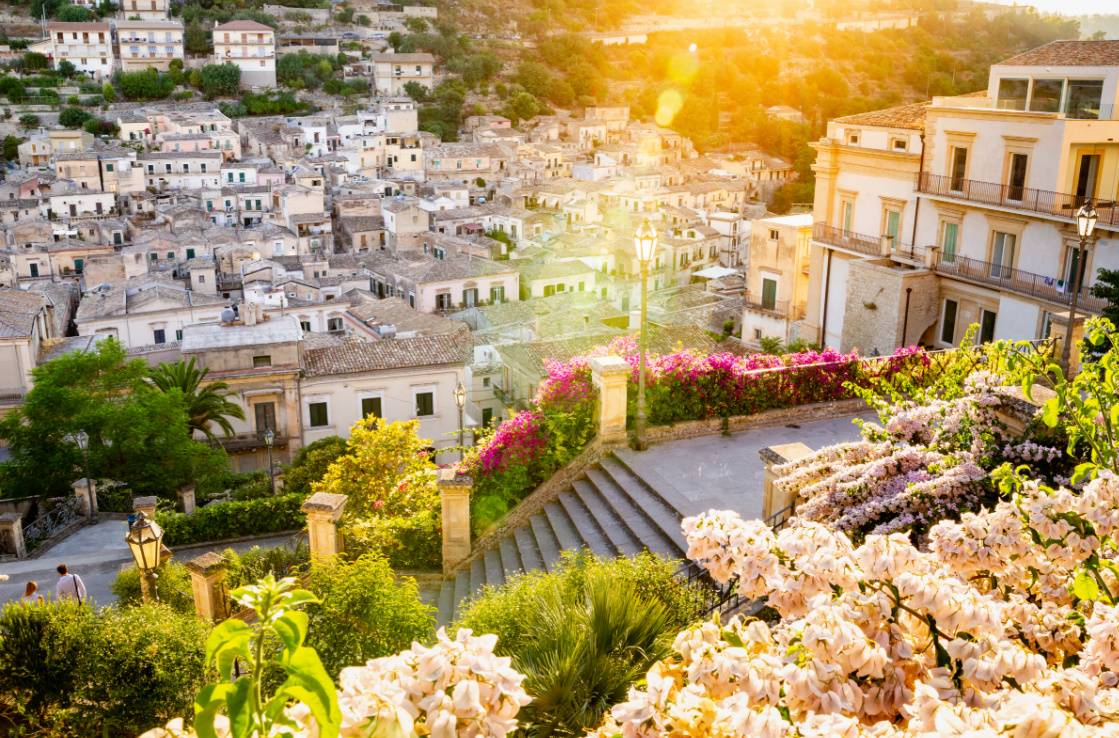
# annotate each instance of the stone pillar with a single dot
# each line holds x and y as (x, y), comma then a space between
(11, 534)
(932, 257)
(610, 375)
(1016, 411)
(86, 491)
(186, 498)
(323, 510)
(454, 495)
(775, 500)
(207, 579)
(145, 505)
(1057, 328)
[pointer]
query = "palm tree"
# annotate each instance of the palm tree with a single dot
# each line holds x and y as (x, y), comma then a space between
(205, 405)
(581, 657)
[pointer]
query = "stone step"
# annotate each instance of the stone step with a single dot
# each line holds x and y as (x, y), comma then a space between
(630, 511)
(587, 528)
(510, 558)
(563, 528)
(477, 575)
(661, 513)
(462, 591)
(528, 548)
(446, 609)
(495, 575)
(545, 540)
(619, 535)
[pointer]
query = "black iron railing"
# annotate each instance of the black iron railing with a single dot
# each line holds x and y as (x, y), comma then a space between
(1014, 197)
(1007, 278)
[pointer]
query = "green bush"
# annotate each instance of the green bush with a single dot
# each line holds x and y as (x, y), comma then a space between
(145, 85)
(74, 117)
(117, 499)
(223, 520)
(220, 80)
(255, 563)
(411, 542)
(140, 667)
(366, 612)
(172, 586)
(39, 647)
(503, 610)
(311, 463)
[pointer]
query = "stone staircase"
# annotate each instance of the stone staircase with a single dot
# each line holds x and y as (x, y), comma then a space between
(610, 509)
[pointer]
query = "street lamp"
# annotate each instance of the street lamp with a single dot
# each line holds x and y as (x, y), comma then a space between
(82, 439)
(269, 439)
(645, 243)
(145, 541)
(460, 400)
(1085, 223)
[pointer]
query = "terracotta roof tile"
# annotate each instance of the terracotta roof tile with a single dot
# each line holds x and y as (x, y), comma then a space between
(352, 357)
(1069, 54)
(910, 116)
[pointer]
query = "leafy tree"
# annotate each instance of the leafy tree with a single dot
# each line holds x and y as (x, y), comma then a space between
(206, 403)
(221, 80)
(29, 120)
(137, 435)
(101, 127)
(310, 464)
(416, 91)
(386, 470)
(108, 92)
(1106, 287)
(66, 67)
(11, 146)
(365, 611)
(196, 40)
(345, 15)
(74, 117)
(73, 14)
(33, 60)
(13, 89)
(145, 85)
(364, 21)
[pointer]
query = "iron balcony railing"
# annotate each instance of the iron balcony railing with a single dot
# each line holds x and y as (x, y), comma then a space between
(865, 244)
(1007, 278)
(758, 304)
(1014, 197)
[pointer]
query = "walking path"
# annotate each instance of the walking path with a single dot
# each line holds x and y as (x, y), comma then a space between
(96, 553)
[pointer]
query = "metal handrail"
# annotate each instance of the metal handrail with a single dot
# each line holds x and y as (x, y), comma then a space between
(1046, 202)
(1008, 278)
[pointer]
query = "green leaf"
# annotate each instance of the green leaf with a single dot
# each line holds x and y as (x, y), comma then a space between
(291, 627)
(240, 709)
(1085, 470)
(309, 683)
(225, 643)
(1050, 412)
(298, 597)
(1085, 587)
(207, 705)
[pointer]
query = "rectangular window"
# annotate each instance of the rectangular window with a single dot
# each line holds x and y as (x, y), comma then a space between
(317, 414)
(190, 253)
(487, 416)
(848, 217)
(774, 234)
(425, 404)
(948, 322)
(1002, 254)
(1016, 179)
(179, 334)
(1084, 98)
(948, 241)
(893, 227)
(1046, 95)
(371, 406)
(1072, 268)
(987, 326)
(262, 360)
(1012, 94)
(305, 325)
(497, 294)
(959, 168)
(159, 335)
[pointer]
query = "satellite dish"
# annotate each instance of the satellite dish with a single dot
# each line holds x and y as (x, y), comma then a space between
(228, 315)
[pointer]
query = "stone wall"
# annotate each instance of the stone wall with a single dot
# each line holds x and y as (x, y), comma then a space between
(740, 423)
(875, 307)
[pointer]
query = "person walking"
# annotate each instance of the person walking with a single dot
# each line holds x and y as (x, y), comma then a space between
(70, 586)
(31, 593)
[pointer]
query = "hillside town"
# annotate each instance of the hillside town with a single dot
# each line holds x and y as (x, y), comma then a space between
(349, 334)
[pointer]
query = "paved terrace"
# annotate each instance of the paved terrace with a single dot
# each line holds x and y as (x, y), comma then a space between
(96, 553)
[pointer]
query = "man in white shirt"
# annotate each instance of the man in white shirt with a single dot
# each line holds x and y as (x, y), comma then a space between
(70, 586)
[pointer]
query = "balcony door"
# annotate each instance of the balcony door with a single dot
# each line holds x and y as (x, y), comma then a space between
(1087, 174)
(1016, 181)
(893, 227)
(987, 325)
(1002, 255)
(959, 169)
(769, 294)
(948, 242)
(1072, 268)
(265, 417)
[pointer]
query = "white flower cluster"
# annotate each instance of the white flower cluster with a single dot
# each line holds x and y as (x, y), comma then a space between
(981, 635)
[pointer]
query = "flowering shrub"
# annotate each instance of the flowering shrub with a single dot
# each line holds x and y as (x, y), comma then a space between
(1006, 625)
(682, 385)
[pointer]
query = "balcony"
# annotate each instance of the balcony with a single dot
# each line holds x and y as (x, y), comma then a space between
(1026, 199)
(860, 243)
(250, 441)
(779, 309)
(1006, 278)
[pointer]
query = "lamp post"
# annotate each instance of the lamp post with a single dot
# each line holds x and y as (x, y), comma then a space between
(645, 243)
(145, 541)
(460, 400)
(269, 439)
(82, 439)
(1085, 223)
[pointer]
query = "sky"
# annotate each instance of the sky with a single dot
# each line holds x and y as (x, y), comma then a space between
(1070, 7)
